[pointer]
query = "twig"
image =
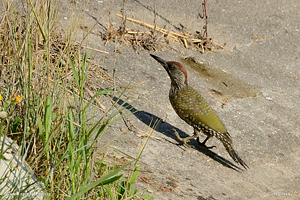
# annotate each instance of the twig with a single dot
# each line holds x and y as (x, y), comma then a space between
(164, 31)
(206, 19)
(95, 49)
(96, 100)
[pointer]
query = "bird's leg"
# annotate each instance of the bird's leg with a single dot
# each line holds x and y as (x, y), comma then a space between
(203, 143)
(186, 139)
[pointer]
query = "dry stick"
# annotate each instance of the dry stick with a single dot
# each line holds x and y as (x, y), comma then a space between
(101, 51)
(96, 100)
(137, 32)
(171, 34)
(164, 31)
(206, 16)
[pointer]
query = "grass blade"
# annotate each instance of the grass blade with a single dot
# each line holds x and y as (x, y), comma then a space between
(109, 178)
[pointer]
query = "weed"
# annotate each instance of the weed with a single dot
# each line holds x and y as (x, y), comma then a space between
(44, 108)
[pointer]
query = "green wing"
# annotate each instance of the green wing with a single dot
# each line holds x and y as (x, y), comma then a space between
(193, 108)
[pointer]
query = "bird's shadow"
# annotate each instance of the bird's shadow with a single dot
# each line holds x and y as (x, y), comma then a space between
(166, 129)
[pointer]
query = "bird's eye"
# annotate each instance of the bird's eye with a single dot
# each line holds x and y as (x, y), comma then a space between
(171, 67)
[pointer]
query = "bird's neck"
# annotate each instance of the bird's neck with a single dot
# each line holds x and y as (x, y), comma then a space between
(177, 87)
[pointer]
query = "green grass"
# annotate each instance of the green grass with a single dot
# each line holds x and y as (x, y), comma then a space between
(48, 111)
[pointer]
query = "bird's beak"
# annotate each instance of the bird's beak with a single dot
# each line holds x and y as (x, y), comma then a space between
(160, 60)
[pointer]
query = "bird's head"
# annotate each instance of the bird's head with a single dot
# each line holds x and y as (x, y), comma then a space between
(176, 71)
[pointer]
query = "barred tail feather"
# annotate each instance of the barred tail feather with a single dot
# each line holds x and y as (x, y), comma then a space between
(234, 155)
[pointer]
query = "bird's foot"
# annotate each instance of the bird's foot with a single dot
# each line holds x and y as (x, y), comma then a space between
(183, 140)
(208, 147)
(203, 143)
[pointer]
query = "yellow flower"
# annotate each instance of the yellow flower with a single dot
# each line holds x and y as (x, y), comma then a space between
(1, 98)
(17, 99)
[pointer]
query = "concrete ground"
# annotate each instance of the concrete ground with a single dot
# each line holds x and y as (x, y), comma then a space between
(17, 175)
(254, 87)
(258, 100)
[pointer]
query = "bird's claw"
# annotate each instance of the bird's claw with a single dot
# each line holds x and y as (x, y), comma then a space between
(208, 147)
(183, 140)
(203, 143)
(186, 145)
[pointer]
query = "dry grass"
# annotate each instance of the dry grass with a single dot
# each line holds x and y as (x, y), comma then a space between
(47, 83)
(156, 38)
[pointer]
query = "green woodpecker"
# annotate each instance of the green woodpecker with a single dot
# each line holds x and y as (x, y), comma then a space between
(194, 110)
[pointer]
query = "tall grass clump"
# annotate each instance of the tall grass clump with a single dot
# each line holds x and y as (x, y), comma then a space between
(44, 109)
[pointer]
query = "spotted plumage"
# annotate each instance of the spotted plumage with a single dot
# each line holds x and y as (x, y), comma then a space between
(194, 110)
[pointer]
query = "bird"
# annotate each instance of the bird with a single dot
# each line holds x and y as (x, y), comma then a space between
(191, 107)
